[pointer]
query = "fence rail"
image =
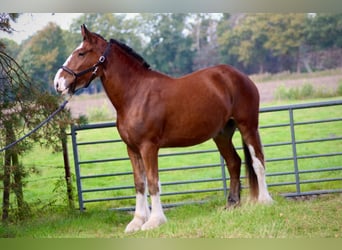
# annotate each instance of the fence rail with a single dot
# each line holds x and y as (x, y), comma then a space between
(291, 163)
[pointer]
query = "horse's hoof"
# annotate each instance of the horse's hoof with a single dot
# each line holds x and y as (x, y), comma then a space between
(265, 199)
(231, 204)
(153, 222)
(134, 225)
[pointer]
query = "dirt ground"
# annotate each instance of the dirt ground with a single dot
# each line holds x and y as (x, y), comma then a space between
(88, 103)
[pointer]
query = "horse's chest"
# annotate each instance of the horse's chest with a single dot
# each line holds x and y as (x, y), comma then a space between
(126, 132)
(136, 130)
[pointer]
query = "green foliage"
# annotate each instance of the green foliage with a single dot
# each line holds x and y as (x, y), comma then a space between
(323, 30)
(23, 106)
(110, 25)
(305, 91)
(257, 38)
(284, 32)
(43, 54)
(169, 50)
(11, 46)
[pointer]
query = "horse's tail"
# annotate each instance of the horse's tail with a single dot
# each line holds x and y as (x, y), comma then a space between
(250, 174)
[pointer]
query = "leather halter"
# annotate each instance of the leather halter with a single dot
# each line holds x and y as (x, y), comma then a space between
(94, 69)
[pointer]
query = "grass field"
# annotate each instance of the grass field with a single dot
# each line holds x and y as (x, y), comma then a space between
(318, 217)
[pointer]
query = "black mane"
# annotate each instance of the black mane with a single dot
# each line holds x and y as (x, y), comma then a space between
(131, 52)
(128, 50)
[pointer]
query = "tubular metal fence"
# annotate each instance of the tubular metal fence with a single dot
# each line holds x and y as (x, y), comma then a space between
(303, 154)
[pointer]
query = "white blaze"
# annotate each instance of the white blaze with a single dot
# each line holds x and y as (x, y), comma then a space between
(59, 81)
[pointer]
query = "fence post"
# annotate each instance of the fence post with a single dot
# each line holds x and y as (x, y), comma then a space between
(77, 167)
(294, 151)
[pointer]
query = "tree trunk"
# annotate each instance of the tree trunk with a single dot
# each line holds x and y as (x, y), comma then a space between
(18, 186)
(7, 174)
(7, 186)
(298, 60)
(12, 166)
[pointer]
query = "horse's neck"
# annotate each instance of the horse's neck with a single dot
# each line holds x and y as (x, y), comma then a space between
(120, 83)
(124, 77)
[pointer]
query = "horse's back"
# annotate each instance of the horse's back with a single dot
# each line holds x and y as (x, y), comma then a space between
(224, 80)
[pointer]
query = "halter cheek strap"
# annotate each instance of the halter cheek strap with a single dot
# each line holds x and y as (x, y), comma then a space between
(94, 69)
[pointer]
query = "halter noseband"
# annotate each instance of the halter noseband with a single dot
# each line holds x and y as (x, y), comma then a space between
(94, 68)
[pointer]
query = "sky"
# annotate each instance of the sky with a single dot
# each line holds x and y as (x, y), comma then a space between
(29, 23)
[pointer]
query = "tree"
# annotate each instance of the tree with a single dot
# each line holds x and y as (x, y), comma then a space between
(263, 39)
(285, 34)
(22, 107)
(110, 25)
(203, 28)
(11, 46)
(169, 47)
(324, 30)
(43, 54)
(246, 41)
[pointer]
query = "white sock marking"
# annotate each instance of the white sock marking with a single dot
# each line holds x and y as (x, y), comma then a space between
(157, 209)
(260, 173)
(141, 206)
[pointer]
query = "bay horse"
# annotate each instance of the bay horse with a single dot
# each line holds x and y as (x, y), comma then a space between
(156, 111)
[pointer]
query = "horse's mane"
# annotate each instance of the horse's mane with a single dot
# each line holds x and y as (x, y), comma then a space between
(128, 50)
(131, 52)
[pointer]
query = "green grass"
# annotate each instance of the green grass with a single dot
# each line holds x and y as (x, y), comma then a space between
(319, 217)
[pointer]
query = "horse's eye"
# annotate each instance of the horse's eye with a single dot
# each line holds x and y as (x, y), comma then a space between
(81, 53)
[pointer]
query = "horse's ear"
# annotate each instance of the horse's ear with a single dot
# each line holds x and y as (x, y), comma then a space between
(85, 33)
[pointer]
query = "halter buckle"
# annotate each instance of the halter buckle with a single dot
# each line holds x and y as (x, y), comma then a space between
(102, 59)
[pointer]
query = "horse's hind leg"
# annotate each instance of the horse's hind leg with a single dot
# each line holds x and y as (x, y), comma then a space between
(225, 145)
(255, 162)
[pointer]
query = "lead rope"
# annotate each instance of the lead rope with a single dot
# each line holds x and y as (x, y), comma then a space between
(60, 108)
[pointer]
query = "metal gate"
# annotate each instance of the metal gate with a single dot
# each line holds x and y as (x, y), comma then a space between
(303, 156)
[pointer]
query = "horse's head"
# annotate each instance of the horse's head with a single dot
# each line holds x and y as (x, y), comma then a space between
(82, 65)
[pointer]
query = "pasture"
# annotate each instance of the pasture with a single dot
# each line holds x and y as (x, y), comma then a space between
(317, 217)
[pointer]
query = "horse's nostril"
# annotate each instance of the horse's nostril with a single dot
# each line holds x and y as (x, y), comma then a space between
(57, 85)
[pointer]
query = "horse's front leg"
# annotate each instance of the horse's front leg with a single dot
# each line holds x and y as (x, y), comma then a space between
(149, 153)
(142, 211)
